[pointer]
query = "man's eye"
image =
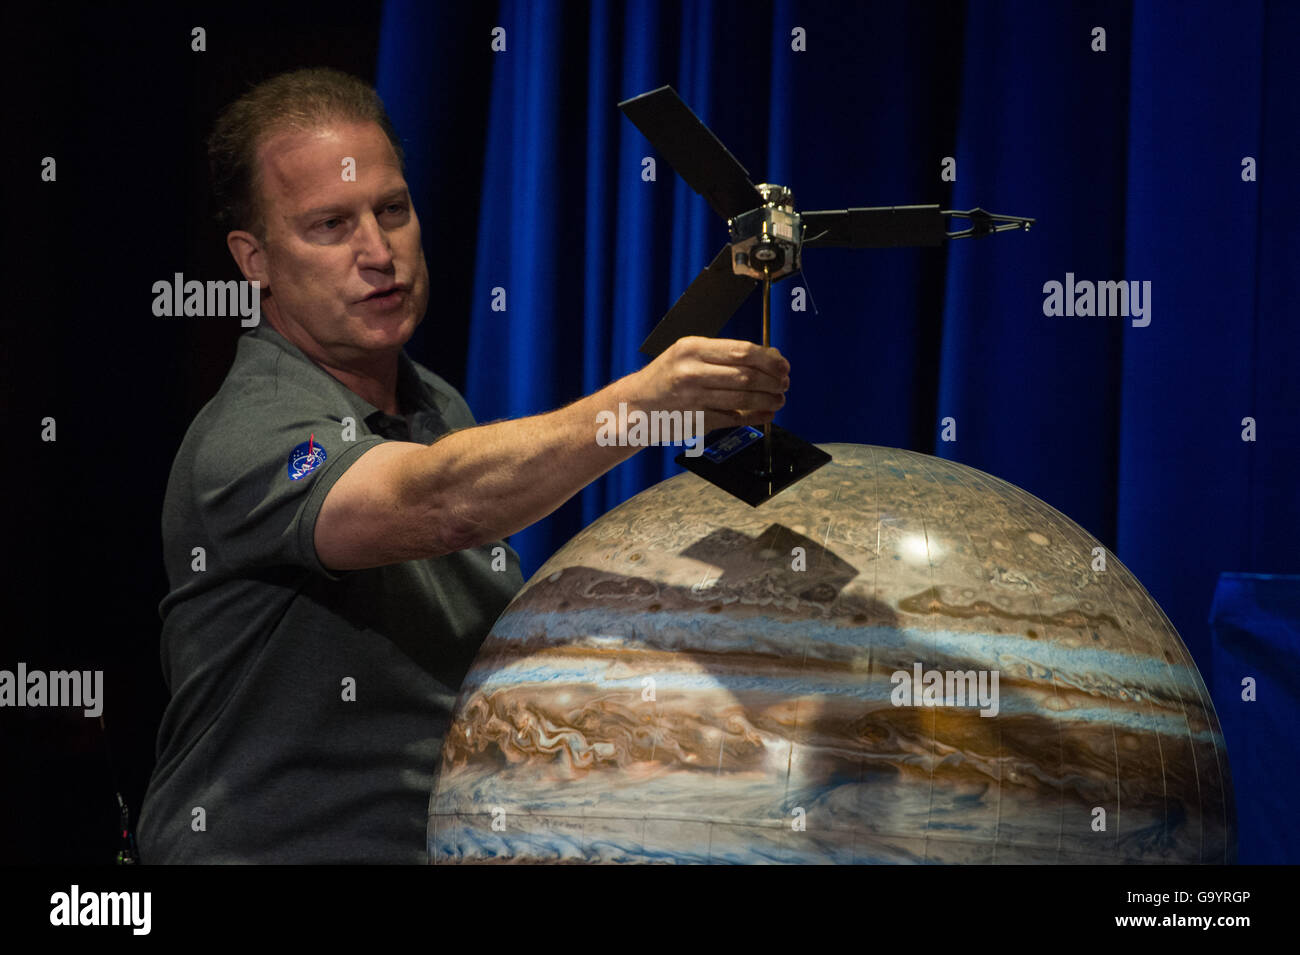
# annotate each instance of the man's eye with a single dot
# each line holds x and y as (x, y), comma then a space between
(395, 207)
(330, 223)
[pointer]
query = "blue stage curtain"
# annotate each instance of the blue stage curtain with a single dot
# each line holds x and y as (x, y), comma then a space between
(1255, 622)
(1131, 158)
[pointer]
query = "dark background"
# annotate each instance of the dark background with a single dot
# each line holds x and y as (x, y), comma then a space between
(1129, 158)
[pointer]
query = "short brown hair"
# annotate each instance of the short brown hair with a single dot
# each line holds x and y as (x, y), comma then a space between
(303, 99)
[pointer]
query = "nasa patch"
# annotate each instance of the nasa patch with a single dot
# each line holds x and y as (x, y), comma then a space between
(305, 458)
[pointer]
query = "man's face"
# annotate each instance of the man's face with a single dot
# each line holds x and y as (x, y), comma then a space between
(332, 244)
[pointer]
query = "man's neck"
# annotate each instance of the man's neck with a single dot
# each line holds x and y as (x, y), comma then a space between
(374, 380)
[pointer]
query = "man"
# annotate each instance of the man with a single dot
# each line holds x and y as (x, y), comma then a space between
(334, 518)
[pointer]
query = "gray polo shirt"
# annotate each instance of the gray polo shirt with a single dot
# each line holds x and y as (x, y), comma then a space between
(308, 707)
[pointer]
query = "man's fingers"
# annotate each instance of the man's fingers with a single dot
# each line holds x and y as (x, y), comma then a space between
(738, 378)
(719, 400)
(735, 382)
(732, 351)
(734, 419)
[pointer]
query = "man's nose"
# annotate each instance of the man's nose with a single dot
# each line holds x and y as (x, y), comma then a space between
(373, 248)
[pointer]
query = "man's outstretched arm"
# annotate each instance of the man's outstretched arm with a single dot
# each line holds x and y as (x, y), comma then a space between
(405, 501)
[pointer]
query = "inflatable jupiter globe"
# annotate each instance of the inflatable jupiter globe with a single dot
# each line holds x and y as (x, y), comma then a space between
(897, 659)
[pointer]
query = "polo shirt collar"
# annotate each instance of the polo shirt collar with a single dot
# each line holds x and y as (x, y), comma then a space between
(421, 406)
(414, 394)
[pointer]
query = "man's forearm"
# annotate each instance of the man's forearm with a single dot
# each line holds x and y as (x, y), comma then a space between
(487, 482)
(402, 501)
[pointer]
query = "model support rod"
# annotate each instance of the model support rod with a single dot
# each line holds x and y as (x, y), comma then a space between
(767, 343)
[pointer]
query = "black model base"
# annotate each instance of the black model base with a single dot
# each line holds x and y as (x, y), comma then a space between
(735, 459)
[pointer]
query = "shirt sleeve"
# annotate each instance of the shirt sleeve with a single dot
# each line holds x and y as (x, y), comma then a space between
(262, 472)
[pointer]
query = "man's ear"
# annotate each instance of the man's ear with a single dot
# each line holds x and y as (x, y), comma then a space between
(249, 255)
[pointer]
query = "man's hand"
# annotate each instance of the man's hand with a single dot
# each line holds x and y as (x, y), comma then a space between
(733, 382)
